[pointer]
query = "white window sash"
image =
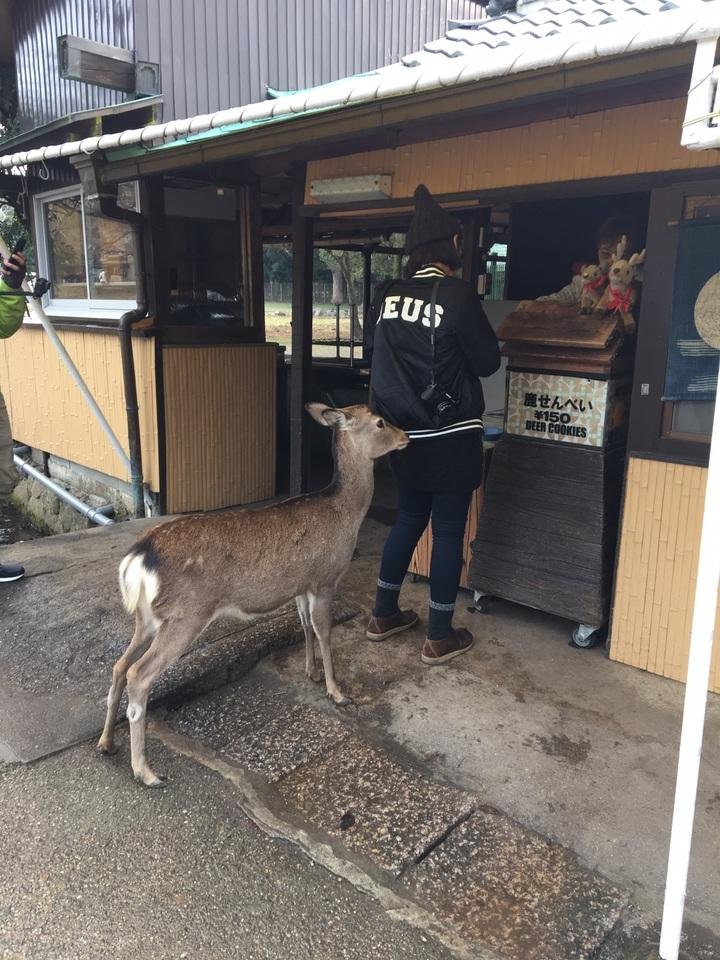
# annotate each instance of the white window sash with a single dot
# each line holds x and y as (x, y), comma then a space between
(87, 309)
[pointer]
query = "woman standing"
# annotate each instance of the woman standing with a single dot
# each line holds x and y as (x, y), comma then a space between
(12, 310)
(430, 345)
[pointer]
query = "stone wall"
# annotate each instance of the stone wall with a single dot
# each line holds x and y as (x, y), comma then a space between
(49, 513)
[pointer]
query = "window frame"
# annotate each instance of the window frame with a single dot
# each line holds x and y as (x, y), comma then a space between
(81, 309)
(650, 435)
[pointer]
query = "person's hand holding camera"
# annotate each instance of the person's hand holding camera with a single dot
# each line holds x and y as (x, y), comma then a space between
(14, 269)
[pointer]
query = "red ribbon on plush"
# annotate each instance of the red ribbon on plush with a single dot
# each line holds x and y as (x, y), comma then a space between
(620, 301)
(595, 284)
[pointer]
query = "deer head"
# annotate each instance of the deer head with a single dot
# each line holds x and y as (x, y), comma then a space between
(623, 272)
(591, 273)
(368, 433)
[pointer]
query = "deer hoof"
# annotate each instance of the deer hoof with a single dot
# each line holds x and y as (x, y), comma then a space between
(107, 749)
(317, 675)
(151, 780)
(341, 699)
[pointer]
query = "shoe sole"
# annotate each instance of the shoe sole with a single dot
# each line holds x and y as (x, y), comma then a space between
(436, 661)
(379, 637)
(11, 579)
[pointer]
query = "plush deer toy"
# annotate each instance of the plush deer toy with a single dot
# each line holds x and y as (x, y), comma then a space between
(594, 281)
(621, 293)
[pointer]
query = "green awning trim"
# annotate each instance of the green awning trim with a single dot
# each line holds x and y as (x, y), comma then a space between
(126, 153)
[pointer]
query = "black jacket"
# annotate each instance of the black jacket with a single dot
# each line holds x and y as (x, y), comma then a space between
(399, 348)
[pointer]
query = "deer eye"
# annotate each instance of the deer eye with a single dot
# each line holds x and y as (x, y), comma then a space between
(381, 424)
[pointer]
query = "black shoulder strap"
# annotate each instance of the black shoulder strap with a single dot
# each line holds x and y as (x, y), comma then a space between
(433, 303)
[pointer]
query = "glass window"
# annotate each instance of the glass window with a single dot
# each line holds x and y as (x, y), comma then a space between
(66, 248)
(89, 259)
(692, 365)
(111, 259)
(205, 282)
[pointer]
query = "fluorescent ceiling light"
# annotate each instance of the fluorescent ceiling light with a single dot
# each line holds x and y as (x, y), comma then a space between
(373, 186)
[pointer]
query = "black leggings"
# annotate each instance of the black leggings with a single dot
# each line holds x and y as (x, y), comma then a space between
(449, 515)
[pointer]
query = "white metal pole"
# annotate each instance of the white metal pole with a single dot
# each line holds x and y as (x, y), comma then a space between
(37, 313)
(701, 644)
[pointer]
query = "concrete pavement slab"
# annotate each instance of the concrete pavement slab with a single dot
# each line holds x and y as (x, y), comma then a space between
(517, 892)
(388, 813)
(256, 723)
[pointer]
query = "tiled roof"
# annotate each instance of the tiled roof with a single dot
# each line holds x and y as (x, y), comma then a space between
(540, 34)
(538, 20)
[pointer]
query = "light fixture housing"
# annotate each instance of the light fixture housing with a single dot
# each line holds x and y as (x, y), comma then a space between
(372, 186)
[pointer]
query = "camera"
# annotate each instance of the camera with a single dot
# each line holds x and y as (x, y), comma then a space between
(440, 403)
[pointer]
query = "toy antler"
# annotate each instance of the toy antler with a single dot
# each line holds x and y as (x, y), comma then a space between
(620, 249)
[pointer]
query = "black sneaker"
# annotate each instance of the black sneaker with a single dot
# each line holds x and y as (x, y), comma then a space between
(10, 572)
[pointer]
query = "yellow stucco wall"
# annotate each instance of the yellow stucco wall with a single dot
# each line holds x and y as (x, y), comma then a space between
(47, 410)
(655, 588)
(624, 140)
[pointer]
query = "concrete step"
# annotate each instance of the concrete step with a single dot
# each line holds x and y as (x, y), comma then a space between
(505, 890)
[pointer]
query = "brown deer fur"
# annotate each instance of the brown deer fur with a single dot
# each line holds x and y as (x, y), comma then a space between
(186, 572)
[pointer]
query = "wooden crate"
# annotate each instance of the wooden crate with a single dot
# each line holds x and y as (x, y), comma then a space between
(420, 563)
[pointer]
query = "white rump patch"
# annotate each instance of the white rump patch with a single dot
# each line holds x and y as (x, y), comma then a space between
(137, 584)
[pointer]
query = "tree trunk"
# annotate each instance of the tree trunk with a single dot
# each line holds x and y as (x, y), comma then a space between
(357, 331)
(338, 285)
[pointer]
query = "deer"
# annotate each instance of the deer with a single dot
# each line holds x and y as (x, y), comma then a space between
(188, 571)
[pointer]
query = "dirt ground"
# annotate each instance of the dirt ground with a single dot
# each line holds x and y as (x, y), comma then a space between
(278, 329)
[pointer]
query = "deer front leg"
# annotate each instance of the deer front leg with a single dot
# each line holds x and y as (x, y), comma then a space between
(321, 618)
(142, 638)
(312, 670)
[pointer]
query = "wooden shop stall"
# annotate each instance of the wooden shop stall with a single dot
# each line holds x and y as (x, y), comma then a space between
(548, 527)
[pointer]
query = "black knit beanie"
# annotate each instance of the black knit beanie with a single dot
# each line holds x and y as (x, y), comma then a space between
(430, 222)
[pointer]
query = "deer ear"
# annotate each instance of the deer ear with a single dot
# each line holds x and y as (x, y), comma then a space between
(328, 416)
(637, 258)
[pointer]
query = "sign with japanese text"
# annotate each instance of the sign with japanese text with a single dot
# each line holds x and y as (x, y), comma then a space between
(547, 406)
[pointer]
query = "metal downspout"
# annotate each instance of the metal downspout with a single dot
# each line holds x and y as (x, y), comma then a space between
(131, 405)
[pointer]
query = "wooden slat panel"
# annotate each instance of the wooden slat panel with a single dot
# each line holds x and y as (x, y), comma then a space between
(604, 144)
(420, 563)
(48, 411)
(657, 569)
(220, 411)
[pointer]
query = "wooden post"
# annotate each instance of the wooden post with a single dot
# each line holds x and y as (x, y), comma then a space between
(472, 224)
(251, 253)
(301, 363)
(152, 205)
(367, 296)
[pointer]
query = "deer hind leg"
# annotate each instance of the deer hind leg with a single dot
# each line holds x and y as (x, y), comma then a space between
(312, 669)
(142, 638)
(321, 618)
(172, 639)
